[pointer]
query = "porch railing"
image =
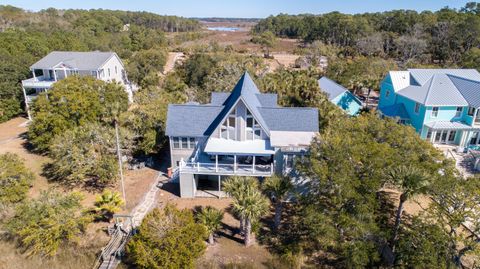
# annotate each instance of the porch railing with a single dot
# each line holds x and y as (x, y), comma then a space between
(234, 169)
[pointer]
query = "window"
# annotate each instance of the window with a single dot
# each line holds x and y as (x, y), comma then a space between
(417, 107)
(176, 143)
(289, 160)
(116, 71)
(459, 111)
(108, 72)
(191, 142)
(471, 111)
(473, 140)
(184, 143)
(228, 130)
(429, 135)
(387, 94)
(451, 136)
(434, 111)
(253, 130)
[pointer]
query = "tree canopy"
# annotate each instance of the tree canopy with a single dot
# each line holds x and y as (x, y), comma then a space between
(167, 238)
(15, 179)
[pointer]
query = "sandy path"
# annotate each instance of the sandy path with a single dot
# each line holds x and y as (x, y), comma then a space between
(172, 58)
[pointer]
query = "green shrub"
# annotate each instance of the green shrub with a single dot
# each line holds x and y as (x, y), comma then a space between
(45, 224)
(167, 238)
(15, 179)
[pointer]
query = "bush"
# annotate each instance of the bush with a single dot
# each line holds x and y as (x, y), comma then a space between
(45, 224)
(84, 155)
(108, 203)
(15, 179)
(74, 101)
(167, 238)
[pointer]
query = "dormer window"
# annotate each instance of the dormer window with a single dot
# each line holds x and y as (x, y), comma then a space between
(387, 94)
(435, 112)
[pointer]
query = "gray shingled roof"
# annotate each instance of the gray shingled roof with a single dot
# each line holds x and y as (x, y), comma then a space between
(190, 120)
(331, 88)
(268, 99)
(202, 120)
(218, 98)
(77, 60)
(295, 119)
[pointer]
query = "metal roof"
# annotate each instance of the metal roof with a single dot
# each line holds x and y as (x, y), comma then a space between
(443, 87)
(218, 98)
(91, 60)
(202, 120)
(331, 88)
(423, 75)
(444, 125)
(399, 79)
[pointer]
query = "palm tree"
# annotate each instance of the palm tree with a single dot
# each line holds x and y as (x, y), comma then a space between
(108, 203)
(410, 181)
(236, 186)
(251, 205)
(211, 218)
(278, 188)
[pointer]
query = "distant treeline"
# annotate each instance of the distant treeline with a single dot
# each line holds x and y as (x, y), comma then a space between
(112, 20)
(232, 20)
(436, 37)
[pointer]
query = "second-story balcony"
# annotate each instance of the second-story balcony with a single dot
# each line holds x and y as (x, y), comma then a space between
(227, 169)
(38, 82)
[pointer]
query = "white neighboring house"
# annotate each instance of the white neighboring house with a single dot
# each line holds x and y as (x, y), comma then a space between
(57, 65)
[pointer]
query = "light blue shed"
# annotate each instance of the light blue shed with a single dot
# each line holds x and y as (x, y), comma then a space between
(340, 96)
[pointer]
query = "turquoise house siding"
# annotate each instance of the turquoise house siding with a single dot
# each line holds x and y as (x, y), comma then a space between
(384, 87)
(416, 119)
(445, 113)
(348, 102)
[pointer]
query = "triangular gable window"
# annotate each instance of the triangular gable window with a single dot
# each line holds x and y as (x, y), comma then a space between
(253, 129)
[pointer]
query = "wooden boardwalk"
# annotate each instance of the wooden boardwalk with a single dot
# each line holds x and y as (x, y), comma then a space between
(112, 253)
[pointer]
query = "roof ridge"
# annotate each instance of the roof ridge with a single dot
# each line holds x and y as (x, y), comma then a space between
(428, 89)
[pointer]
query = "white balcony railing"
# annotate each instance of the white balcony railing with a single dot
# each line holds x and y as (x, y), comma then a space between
(228, 169)
(38, 82)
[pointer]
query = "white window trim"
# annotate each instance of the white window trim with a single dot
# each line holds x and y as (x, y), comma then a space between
(180, 142)
(233, 114)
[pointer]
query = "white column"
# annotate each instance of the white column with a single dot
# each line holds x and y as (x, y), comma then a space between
(27, 108)
(432, 139)
(65, 72)
(234, 163)
(216, 163)
(54, 75)
(219, 186)
(253, 165)
(33, 72)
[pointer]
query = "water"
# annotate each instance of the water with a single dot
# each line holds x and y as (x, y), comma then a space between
(223, 29)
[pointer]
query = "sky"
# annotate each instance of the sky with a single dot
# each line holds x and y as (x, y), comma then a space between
(239, 8)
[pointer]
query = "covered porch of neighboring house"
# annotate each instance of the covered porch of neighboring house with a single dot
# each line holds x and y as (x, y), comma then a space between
(451, 133)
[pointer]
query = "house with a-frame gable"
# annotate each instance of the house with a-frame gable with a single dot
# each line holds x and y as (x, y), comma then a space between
(242, 133)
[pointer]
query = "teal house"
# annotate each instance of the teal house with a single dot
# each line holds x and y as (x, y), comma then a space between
(441, 104)
(340, 96)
